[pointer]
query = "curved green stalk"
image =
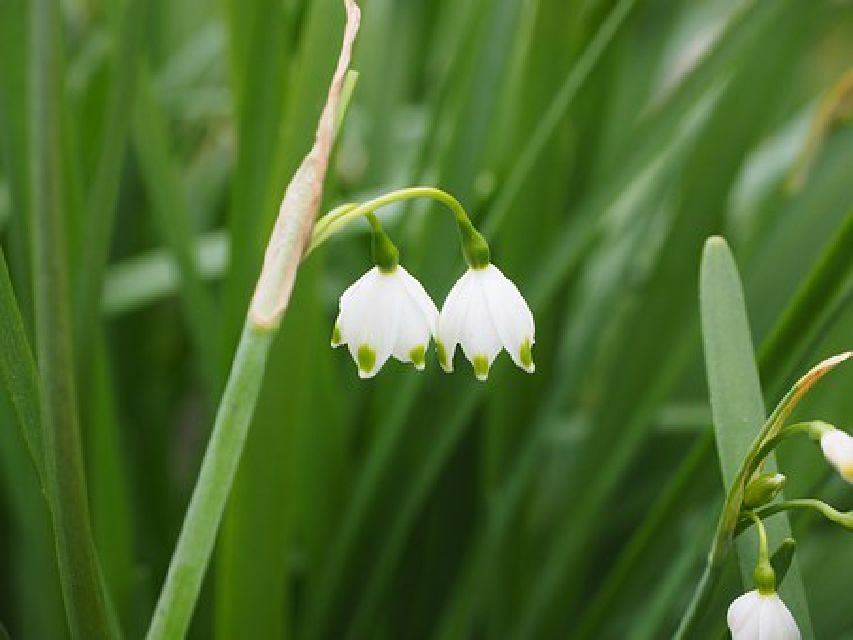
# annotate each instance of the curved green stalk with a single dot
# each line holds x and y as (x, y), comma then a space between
(842, 518)
(474, 245)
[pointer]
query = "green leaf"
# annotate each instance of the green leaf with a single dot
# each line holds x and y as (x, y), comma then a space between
(92, 247)
(737, 403)
(172, 216)
(18, 371)
(85, 600)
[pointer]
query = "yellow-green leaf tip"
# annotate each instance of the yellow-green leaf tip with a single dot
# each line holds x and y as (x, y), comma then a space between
(336, 336)
(526, 356)
(443, 360)
(481, 367)
(418, 357)
(366, 358)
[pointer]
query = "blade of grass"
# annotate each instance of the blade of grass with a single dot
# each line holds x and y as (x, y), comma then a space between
(18, 371)
(112, 522)
(737, 403)
(35, 599)
(85, 600)
(14, 124)
(150, 135)
(823, 281)
(92, 247)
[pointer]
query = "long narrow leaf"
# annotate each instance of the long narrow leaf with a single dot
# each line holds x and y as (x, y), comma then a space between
(85, 601)
(737, 403)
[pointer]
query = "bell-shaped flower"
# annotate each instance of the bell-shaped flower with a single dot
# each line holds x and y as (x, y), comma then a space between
(758, 616)
(384, 313)
(837, 448)
(484, 313)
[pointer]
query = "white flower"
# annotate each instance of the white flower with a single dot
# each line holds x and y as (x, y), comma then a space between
(837, 448)
(383, 314)
(484, 312)
(756, 616)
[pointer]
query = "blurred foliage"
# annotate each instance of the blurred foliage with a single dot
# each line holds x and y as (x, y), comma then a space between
(596, 142)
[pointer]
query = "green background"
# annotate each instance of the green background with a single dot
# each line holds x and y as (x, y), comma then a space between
(596, 144)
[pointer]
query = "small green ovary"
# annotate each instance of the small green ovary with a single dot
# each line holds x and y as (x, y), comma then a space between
(526, 355)
(418, 357)
(481, 367)
(366, 358)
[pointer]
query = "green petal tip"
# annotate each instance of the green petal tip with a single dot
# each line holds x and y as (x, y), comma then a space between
(481, 367)
(366, 360)
(526, 356)
(418, 357)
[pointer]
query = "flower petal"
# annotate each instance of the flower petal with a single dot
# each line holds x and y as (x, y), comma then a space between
(453, 315)
(413, 332)
(775, 621)
(368, 320)
(420, 298)
(744, 615)
(512, 317)
(479, 337)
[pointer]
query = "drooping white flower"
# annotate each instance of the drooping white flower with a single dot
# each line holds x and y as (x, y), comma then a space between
(757, 616)
(837, 448)
(484, 313)
(385, 313)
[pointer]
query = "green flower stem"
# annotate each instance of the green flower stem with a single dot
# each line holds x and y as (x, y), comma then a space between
(195, 544)
(765, 577)
(845, 519)
(474, 246)
(814, 429)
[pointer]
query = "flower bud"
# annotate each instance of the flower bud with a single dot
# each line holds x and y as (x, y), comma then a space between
(837, 448)
(762, 489)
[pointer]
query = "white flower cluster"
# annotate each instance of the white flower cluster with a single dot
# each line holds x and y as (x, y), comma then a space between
(388, 312)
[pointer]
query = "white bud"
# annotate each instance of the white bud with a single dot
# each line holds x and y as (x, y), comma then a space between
(837, 448)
